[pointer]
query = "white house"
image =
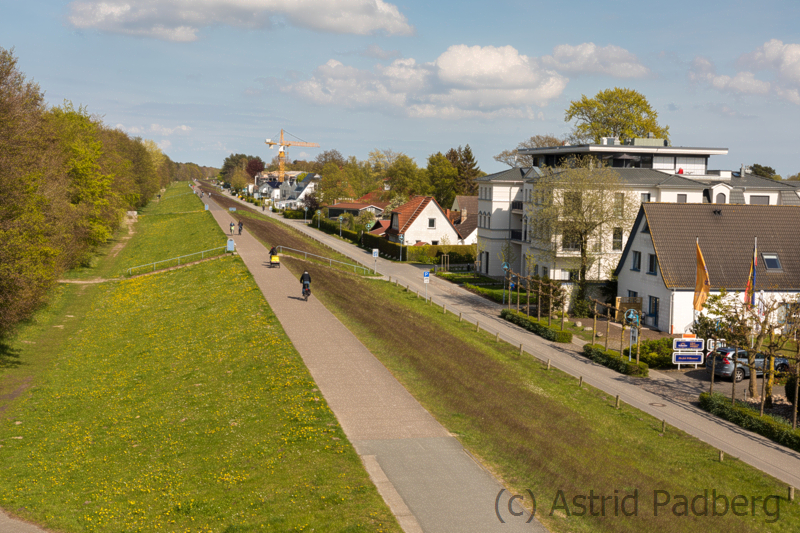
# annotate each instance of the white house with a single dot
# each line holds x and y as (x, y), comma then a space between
(659, 261)
(421, 220)
(650, 170)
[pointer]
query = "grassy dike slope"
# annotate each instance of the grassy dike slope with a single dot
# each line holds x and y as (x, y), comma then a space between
(176, 403)
(536, 429)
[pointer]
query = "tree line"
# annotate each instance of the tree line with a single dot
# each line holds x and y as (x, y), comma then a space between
(444, 176)
(66, 180)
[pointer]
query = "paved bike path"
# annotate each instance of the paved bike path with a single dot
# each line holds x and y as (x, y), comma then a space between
(760, 452)
(429, 481)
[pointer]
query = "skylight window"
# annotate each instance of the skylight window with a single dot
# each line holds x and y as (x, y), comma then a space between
(771, 261)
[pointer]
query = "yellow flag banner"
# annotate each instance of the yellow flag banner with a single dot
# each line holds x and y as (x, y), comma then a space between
(702, 284)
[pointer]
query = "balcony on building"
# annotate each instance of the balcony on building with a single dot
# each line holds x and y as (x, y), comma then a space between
(516, 206)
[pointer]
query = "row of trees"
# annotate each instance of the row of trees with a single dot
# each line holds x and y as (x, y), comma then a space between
(444, 176)
(66, 180)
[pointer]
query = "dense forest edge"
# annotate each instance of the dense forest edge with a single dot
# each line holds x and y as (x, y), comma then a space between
(66, 181)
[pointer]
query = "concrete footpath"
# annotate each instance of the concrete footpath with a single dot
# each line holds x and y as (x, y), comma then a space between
(653, 396)
(426, 477)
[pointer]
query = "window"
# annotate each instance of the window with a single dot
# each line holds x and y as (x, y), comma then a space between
(545, 272)
(571, 241)
(435, 243)
(572, 202)
(653, 310)
(759, 200)
(431, 223)
(633, 294)
(489, 221)
(616, 243)
(535, 270)
(395, 224)
(771, 261)
(721, 198)
(681, 198)
(652, 264)
(619, 204)
(645, 197)
(636, 261)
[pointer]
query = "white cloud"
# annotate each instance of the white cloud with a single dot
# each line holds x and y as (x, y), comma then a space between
(180, 20)
(588, 58)
(164, 145)
(774, 57)
(487, 82)
(704, 71)
(156, 129)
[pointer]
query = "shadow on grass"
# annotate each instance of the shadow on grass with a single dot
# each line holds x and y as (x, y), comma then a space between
(9, 356)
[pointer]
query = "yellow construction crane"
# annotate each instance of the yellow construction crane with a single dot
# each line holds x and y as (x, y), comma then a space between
(282, 146)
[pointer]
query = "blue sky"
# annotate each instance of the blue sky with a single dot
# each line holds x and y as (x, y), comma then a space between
(205, 78)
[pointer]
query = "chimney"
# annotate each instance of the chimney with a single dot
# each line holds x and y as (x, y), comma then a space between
(463, 215)
(742, 171)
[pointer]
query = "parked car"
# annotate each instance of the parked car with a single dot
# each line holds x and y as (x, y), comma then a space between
(724, 364)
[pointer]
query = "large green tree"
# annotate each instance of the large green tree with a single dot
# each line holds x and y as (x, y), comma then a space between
(765, 172)
(468, 170)
(405, 178)
(442, 176)
(617, 112)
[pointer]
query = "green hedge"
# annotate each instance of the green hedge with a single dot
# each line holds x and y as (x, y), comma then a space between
(615, 361)
(773, 428)
(294, 214)
(332, 228)
(656, 353)
(540, 328)
(386, 247)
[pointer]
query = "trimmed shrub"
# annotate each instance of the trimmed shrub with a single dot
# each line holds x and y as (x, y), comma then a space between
(775, 429)
(657, 353)
(332, 228)
(541, 329)
(790, 385)
(613, 360)
(294, 214)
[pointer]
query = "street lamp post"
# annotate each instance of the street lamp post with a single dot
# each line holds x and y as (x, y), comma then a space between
(340, 226)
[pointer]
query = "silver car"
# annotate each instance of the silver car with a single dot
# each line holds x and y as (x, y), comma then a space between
(723, 367)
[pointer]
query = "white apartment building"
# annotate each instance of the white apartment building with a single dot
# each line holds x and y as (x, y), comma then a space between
(650, 170)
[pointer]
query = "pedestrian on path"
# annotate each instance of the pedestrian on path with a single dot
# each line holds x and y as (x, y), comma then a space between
(241, 225)
(232, 226)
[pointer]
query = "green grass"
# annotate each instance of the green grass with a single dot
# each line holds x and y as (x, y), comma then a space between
(535, 428)
(176, 225)
(177, 404)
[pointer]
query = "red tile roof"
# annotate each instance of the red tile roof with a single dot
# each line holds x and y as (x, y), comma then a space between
(408, 213)
(380, 227)
(354, 205)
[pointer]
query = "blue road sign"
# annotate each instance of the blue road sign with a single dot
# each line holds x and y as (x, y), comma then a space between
(505, 266)
(692, 345)
(687, 358)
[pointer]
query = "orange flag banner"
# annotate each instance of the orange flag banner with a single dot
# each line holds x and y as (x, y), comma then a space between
(702, 284)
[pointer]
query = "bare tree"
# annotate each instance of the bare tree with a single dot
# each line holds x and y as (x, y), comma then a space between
(579, 213)
(512, 158)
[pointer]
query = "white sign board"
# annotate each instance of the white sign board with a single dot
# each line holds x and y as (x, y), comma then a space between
(375, 253)
(710, 345)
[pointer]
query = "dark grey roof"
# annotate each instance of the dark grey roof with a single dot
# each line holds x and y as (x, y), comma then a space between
(789, 198)
(726, 240)
(737, 195)
(512, 174)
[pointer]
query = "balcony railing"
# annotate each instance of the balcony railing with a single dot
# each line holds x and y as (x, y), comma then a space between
(516, 204)
(516, 234)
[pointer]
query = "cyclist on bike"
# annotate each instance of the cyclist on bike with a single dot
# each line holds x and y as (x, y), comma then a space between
(305, 279)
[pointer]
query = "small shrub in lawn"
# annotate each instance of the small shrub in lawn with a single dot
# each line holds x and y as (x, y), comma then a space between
(774, 428)
(656, 353)
(540, 328)
(613, 360)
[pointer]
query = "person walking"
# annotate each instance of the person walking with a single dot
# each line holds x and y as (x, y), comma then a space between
(232, 226)
(241, 225)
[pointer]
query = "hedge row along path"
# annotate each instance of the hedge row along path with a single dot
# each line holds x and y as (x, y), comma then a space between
(423, 473)
(665, 402)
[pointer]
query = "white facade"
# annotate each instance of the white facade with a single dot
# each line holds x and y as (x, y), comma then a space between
(496, 223)
(431, 226)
